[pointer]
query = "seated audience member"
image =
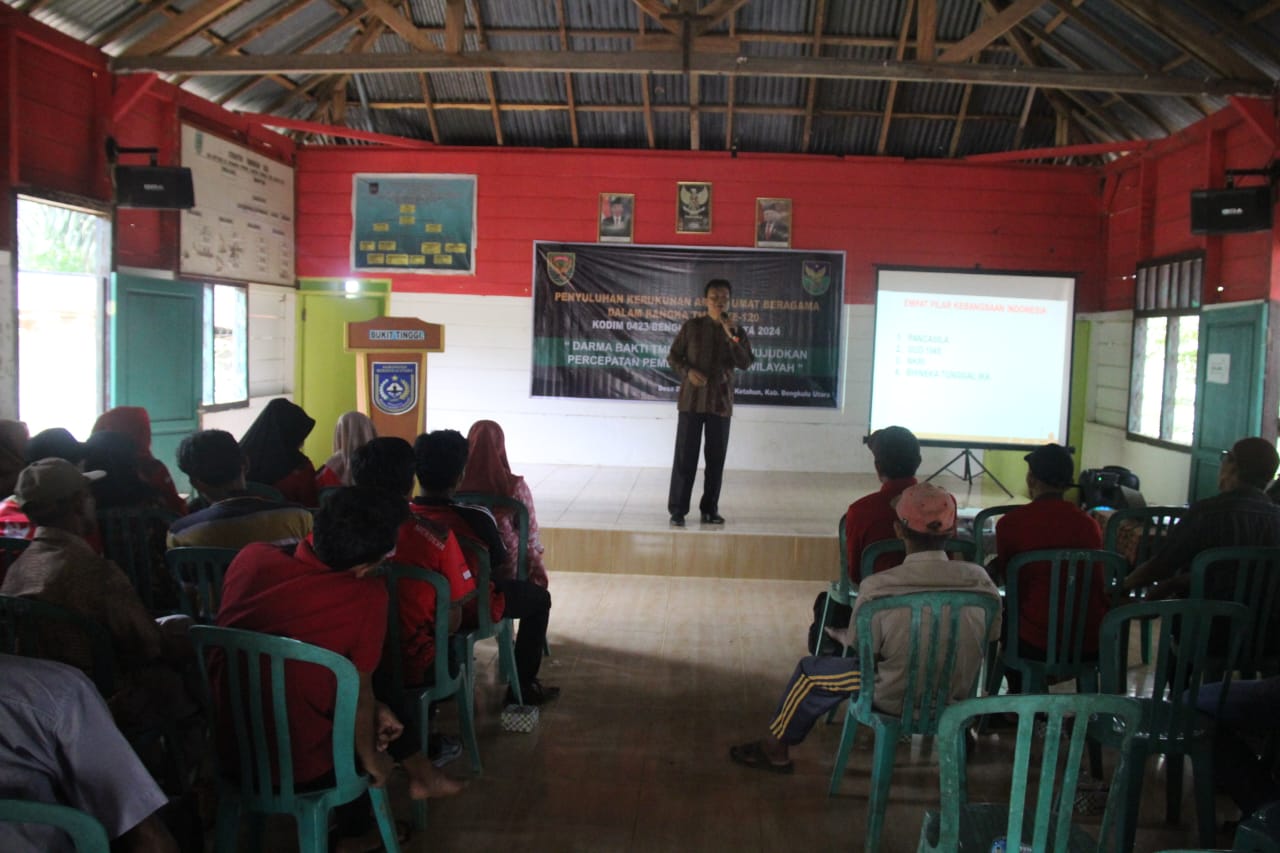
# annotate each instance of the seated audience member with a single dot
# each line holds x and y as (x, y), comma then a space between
(58, 745)
(324, 591)
(1241, 514)
(123, 487)
(1243, 721)
(13, 446)
(896, 453)
(273, 447)
(441, 459)
(489, 472)
(211, 459)
(1047, 522)
(54, 442)
(926, 516)
(353, 430)
(60, 568)
(134, 422)
(387, 464)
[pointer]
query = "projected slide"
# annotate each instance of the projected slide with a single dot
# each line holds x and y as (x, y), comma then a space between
(973, 359)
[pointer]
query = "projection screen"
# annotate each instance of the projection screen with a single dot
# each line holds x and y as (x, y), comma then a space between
(973, 359)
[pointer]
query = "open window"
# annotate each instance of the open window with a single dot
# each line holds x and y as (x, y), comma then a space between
(1166, 342)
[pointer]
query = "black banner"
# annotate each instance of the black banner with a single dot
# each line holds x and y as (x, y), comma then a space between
(604, 318)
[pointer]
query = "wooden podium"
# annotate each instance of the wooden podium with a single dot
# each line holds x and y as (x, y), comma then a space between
(391, 371)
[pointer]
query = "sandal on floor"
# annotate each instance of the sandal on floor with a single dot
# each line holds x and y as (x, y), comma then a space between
(752, 755)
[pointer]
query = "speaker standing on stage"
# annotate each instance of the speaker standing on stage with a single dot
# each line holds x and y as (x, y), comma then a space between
(704, 355)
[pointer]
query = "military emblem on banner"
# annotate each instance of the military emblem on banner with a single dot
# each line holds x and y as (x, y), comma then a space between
(395, 386)
(560, 267)
(816, 277)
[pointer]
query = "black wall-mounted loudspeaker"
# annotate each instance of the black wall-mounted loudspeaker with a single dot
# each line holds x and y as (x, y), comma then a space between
(1232, 211)
(163, 187)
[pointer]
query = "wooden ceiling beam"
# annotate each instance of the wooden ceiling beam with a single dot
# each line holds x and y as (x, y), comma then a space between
(402, 26)
(990, 30)
(143, 10)
(358, 44)
(926, 29)
(568, 78)
(428, 104)
(234, 45)
(811, 97)
(1060, 18)
(490, 86)
(891, 96)
(1027, 54)
(1236, 28)
(455, 24)
(1186, 36)
(605, 62)
(658, 11)
(715, 12)
(958, 130)
(1023, 118)
(181, 28)
(352, 18)
(1266, 10)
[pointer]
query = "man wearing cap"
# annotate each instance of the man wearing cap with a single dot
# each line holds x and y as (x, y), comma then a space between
(1241, 514)
(896, 453)
(1048, 522)
(59, 567)
(14, 524)
(926, 516)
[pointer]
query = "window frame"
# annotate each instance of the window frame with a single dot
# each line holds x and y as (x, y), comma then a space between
(1168, 287)
(208, 347)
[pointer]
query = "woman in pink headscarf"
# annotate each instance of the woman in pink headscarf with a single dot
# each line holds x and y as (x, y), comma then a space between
(352, 431)
(134, 422)
(489, 472)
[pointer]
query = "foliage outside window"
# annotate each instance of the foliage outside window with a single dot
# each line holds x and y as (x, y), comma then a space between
(226, 345)
(1166, 343)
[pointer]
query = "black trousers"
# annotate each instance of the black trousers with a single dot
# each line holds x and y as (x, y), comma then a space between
(685, 466)
(531, 604)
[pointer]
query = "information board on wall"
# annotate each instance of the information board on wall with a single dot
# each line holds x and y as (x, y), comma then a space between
(413, 224)
(605, 317)
(242, 227)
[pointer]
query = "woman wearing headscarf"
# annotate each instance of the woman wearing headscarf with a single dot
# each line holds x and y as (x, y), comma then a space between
(123, 487)
(273, 448)
(489, 472)
(13, 448)
(134, 422)
(352, 431)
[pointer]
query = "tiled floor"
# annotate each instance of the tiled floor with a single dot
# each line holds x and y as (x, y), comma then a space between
(660, 676)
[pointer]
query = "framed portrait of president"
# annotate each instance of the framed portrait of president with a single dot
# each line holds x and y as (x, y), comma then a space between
(617, 218)
(773, 223)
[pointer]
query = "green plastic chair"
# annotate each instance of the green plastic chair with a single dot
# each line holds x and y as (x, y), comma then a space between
(448, 679)
(87, 835)
(1072, 578)
(254, 671)
(521, 513)
(28, 624)
(931, 665)
(980, 554)
(1156, 523)
(1248, 576)
(463, 645)
(135, 539)
(1171, 724)
(842, 590)
(1042, 819)
(197, 573)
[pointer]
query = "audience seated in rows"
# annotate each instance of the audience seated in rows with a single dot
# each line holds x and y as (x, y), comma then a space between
(324, 591)
(440, 461)
(273, 447)
(123, 487)
(58, 745)
(870, 519)
(55, 442)
(1049, 521)
(60, 568)
(387, 463)
(1241, 514)
(352, 431)
(925, 516)
(233, 518)
(489, 472)
(134, 422)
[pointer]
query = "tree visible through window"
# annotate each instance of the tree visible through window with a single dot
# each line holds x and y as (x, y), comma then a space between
(1166, 341)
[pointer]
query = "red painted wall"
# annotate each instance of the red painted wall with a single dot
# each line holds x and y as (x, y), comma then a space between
(1148, 210)
(879, 211)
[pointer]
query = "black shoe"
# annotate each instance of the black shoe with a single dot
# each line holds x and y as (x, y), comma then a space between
(677, 520)
(534, 693)
(712, 518)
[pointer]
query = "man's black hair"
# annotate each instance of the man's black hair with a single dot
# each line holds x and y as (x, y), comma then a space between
(717, 283)
(384, 463)
(440, 457)
(211, 456)
(357, 525)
